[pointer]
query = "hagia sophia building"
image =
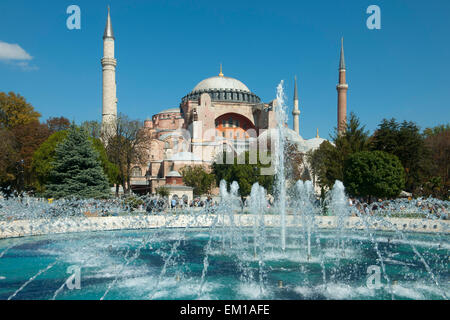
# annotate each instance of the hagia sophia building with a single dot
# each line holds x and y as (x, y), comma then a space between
(218, 113)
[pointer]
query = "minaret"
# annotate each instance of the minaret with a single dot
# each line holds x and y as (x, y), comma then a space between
(342, 88)
(296, 112)
(109, 114)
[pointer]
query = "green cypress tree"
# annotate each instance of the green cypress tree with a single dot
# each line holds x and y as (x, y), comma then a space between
(77, 171)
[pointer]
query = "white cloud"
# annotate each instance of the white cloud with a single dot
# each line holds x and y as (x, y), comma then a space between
(13, 54)
(25, 66)
(12, 51)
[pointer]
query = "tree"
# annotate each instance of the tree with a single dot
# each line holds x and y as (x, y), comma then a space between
(293, 163)
(43, 158)
(197, 178)
(126, 147)
(23, 134)
(244, 174)
(15, 110)
(109, 168)
(28, 138)
(354, 139)
(57, 124)
(8, 158)
(77, 172)
(327, 162)
(437, 183)
(428, 132)
(162, 191)
(406, 142)
(373, 173)
(93, 128)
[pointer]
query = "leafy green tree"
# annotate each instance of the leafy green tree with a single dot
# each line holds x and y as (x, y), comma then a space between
(373, 173)
(197, 178)
(437, 182)
(109, 168)
(406, 142)
(162, 191)
(15, 110)
(77, 171)
(428, 132)
(327, 162)
(245, 174)
(354, 139)
(43, 158)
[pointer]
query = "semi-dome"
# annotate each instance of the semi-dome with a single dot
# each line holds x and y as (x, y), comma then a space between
(220, 83)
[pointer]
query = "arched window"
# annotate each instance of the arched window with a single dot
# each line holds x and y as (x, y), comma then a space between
(136, 172)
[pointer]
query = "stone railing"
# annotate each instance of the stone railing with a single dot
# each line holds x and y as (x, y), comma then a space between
(23, 228)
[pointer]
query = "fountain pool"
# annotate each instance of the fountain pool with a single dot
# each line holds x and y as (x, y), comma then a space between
(195, 263)
(301, 248)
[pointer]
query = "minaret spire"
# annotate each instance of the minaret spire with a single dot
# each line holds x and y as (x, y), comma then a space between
(342, 59)
(108, 28)
(109, 113)
(342, 88)
(296, 111)
(295, 89)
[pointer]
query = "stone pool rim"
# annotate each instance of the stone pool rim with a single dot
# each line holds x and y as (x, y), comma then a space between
(40, 227)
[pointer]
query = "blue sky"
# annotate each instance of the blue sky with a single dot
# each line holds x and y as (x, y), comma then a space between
(164, 48)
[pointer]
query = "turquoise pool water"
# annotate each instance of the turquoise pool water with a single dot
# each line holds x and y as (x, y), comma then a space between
(201, 264)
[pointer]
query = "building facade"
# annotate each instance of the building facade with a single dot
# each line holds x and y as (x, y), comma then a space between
(219, 113)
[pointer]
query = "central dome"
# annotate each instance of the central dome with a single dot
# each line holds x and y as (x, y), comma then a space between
(220, 82)
(223, 89)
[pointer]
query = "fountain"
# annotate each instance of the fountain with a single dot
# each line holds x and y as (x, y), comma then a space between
(301, 248)
(280, 180)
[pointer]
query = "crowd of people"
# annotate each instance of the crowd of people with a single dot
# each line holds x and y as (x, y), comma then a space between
(29, 206)
(162, 204)
(416, 207)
